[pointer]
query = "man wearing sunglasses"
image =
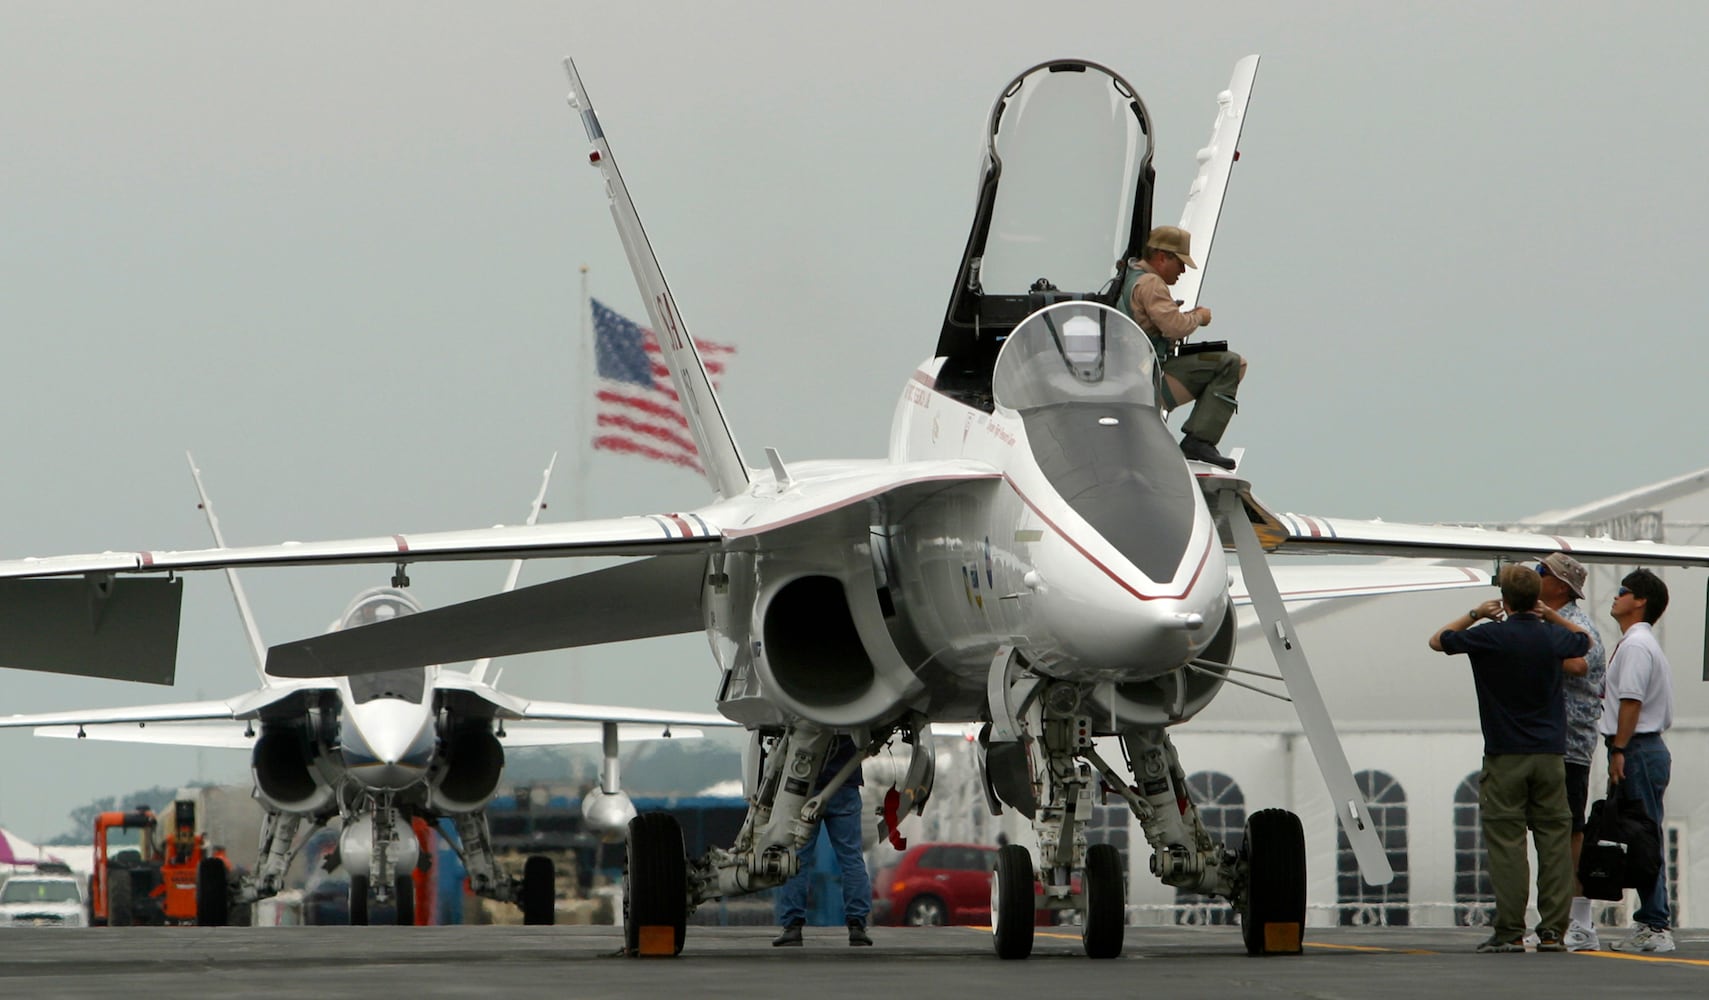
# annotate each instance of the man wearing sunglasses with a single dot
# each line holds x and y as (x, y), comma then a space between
(1518, 661)
(1562, 578)
(1637, 707)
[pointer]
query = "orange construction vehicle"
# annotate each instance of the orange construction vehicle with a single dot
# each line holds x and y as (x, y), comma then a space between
(170, 879)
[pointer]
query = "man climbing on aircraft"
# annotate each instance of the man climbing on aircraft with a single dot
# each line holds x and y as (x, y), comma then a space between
(1210, 377)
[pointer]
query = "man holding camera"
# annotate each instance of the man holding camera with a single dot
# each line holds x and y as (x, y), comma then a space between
(1518, 661)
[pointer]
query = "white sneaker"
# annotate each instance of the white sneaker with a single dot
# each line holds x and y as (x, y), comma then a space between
(1581, 938)
(1647, 940)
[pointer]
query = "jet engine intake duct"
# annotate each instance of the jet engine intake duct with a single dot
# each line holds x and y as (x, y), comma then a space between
(283, 765)
(471, 763)
(812, 645)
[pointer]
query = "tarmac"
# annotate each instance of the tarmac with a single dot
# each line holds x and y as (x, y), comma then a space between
(582, 961)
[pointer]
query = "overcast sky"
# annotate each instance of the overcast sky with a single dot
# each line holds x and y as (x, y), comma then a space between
(333, 248)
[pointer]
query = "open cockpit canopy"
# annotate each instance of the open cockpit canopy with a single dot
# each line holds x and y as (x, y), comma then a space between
(1065, 194)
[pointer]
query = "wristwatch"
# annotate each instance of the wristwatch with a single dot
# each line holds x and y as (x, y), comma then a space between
(1472, 614)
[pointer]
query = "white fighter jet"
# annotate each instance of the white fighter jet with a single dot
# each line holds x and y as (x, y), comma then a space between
(380, 750)
(1034, 557)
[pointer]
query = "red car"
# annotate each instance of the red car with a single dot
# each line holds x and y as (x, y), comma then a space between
(935, 884)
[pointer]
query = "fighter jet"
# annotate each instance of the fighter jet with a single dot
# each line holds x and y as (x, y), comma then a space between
(1033, 557)
(378, 751)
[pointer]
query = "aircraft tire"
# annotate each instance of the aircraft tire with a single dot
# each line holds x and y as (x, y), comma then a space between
(1106, 902)
(358, 900)
(213, 895)
(1012, 902)
(539, 891)
(403, 894)
(120, 912)
(1272, 922)
(655, 886)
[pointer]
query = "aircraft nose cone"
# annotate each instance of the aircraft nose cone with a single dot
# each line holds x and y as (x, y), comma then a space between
(387, 743)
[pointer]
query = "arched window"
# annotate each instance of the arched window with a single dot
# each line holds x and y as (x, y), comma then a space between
(1474, 893)
(1362, 904)
(1222, 809)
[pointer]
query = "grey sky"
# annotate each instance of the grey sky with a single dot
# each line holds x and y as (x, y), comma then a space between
(333, 249)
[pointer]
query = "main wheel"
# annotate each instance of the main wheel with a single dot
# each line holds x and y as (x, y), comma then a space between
(926, 911)
(403, 891)
(358, 900)
(655, 887)
(213, 896)
(1106, 902)
(539, 891)
(1012, 903)
(1272, 921)
(120, 910)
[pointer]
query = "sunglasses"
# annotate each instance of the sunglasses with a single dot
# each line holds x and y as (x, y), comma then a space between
(1543, 570)
(1622, 592)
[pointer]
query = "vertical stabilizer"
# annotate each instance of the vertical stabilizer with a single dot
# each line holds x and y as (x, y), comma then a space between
(718, 452)
(1216, 161)
(478, 673)
(250, 629)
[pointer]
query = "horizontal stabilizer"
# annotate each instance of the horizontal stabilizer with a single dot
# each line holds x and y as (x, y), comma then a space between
(119, 629)
(637, 600)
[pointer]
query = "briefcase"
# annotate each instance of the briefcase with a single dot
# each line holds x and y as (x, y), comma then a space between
(1622, 849)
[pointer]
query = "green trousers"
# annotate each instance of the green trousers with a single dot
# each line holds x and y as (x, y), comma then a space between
(1518, 791)
(1212, 377)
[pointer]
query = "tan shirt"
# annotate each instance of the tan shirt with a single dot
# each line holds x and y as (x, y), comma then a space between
(1154, 309)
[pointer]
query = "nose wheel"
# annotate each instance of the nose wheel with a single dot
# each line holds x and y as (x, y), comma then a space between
(1106, 902)
(1012, 902)
(1272, 921)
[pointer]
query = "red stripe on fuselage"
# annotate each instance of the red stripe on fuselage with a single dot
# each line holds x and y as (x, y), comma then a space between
(1203, 557)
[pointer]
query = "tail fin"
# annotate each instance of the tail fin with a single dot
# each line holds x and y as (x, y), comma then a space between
(1216, 160)
(478, 673)
(249, 626)
(720, 457)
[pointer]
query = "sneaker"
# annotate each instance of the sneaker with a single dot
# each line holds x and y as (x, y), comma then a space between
(1647, 940)
(1582, 938)
(1549, 940)
(1530, 939)
(1495, 944)
(857, 935)
(790, 938)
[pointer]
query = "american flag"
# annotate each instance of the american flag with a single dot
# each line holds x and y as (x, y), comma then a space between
(636, 410)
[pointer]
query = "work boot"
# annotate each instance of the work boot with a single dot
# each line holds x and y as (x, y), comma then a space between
(790, 938)
(857, 934)
(1200, 450)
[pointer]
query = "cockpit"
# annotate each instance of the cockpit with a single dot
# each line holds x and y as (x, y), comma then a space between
(372, 607)
(1082, 378)
(1065, 197)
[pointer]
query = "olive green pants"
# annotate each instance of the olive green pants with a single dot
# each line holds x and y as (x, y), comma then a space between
(1212, 377)
(1518, 791)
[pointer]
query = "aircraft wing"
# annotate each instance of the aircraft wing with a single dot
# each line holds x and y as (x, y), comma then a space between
(644, 535)
(228, 734)
(251, 705)
(514, 708)
(523, 735)
(1299, 534)
(1320, 583)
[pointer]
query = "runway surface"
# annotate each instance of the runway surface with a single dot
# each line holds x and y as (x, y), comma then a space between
(580, 961)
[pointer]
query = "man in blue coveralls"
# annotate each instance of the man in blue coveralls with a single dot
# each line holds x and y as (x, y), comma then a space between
(842, 818)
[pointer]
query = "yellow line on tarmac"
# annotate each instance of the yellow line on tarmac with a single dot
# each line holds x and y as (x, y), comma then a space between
(1037, 934)
(1645, 958)
(1366, 947)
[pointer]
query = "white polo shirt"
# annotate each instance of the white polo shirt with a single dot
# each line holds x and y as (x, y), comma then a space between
(1638, 671)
